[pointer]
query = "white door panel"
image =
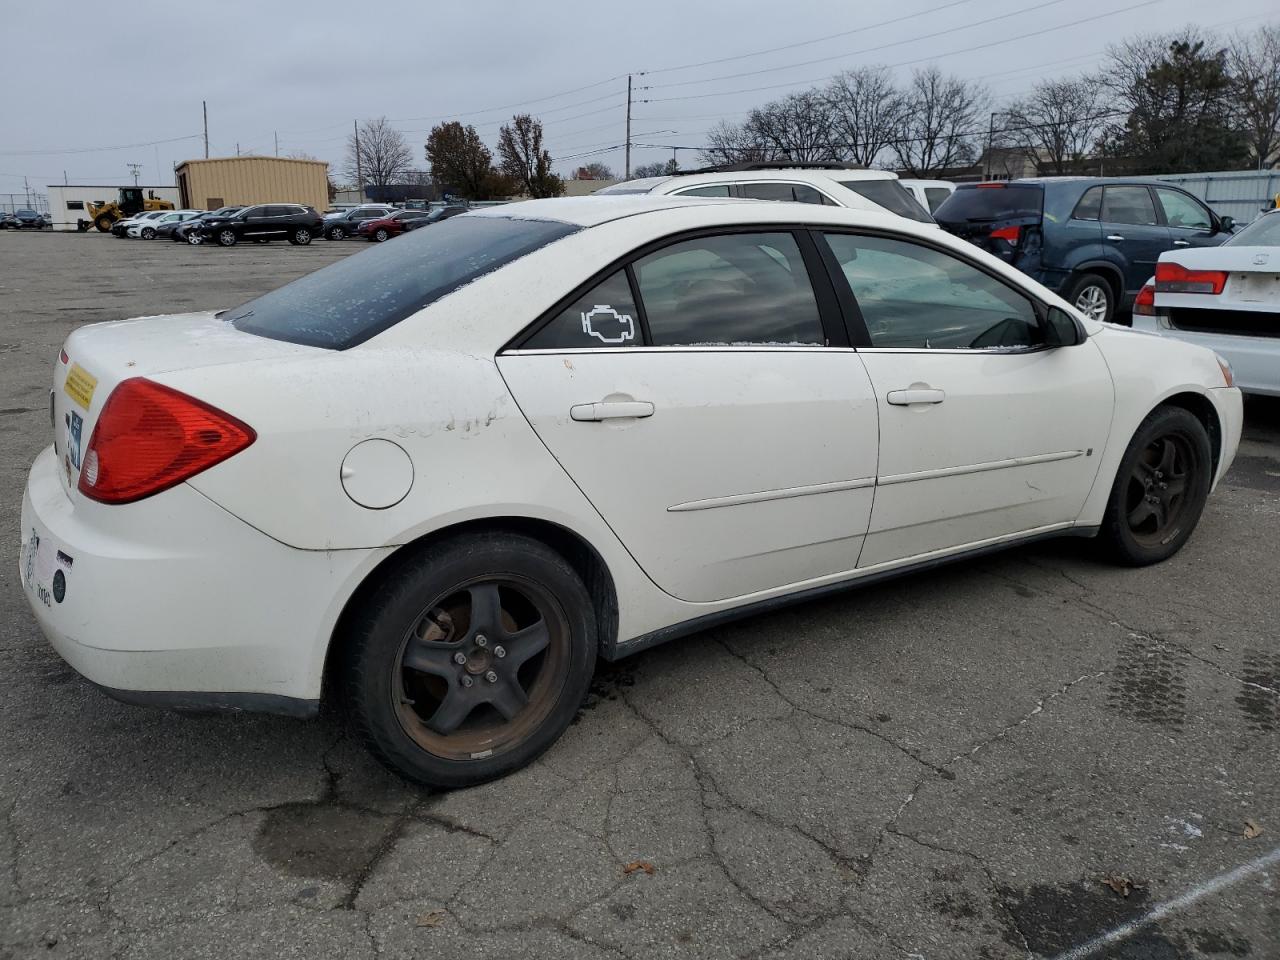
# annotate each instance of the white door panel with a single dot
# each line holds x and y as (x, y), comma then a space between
(754, 469)
(1012, 445)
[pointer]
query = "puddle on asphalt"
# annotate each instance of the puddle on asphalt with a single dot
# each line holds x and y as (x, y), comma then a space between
(320, 840)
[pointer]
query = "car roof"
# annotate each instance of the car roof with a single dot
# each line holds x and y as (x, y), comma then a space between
(750, 175)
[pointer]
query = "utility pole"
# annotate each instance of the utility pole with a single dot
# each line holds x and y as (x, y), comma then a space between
(237, 148)
(355, 125)
(276, 134)
(627, 174)
(134, 168)
(991, 135)
(204, 106)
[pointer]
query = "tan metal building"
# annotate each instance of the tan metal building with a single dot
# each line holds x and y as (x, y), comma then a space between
(209, 184)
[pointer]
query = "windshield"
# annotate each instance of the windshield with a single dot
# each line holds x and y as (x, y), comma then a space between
(990, 203)
(891, 195)
(1263, 232)
(354, 299)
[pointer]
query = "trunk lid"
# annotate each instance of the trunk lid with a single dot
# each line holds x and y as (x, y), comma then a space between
(95, 359)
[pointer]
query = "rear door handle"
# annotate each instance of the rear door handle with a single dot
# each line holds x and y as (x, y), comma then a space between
(1114, 236)
(902, 398)
(1182, 243)
(611, 410)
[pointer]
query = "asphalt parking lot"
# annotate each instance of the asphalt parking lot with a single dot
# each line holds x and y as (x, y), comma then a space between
(945, 766)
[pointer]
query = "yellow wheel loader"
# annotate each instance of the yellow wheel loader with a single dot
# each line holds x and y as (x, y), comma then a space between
(130, 202)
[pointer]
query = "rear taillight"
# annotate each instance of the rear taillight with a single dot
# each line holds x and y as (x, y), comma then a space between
(1144, 305)
(991, 186)
(1175, 278)
(150, 437)
(1012, 234)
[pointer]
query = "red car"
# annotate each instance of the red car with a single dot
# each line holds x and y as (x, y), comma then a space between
(403, 221)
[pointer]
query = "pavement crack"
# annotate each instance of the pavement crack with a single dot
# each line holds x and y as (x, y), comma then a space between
(388, 843)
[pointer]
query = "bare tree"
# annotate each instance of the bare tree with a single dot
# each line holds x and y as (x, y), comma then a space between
(733, 143)
(525, 160)
(1058, 123)
(1254, 60)
(377, 154)
(594, 171)
(865, 113)
(797, 127)
(460, 161)
(941, 122)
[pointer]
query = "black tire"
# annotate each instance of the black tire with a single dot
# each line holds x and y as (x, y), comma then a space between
(1090, 292)
(104, 224)
(414, 611)
(300, 237)
(148, 233)
(1160, 488)
(335, 233)
(381, 235)
(226, 238)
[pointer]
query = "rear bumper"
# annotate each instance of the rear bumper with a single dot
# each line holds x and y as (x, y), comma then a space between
(1255, 361)
(173, 601)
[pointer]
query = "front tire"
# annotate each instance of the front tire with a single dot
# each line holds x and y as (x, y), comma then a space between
(300, 238)
(470, 659)
(104, 224)
(1160, 489)
(336, 233)
(227, 238)
(381, 235)
(148, 233)
(1092, 296)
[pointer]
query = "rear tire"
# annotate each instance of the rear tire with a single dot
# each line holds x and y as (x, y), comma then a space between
(1160, 488)
(1092, 296)
(300, 238)
(519, 618)
(227, 238)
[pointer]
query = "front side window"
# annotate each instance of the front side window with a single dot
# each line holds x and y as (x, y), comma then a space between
(1181, 211)
(794, 192)
(916, 297)
(739, 288)
(710, 190)
(1128, 205)
(604, 316)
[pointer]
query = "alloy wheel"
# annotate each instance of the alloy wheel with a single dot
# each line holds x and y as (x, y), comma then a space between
(1156, 496)
(1092, 302)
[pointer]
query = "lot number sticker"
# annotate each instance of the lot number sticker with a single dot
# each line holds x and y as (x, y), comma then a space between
(80, 385)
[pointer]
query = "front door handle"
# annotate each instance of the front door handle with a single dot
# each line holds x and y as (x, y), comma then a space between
(1182, 243)
(902, 398)
(1114, 236)
(611, 410)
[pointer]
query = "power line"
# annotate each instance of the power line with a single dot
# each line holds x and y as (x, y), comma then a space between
(123, 146)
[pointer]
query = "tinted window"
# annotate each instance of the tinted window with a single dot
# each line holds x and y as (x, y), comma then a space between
(279, 211)
(990, 202)
(917, 297)
(935, 196)
(1181, 211)
(711, 190)
(1128, 205)
(795, 192)
(736, 288)
(605, 316)
(891, 195)
(1090, 205)
(352, 300)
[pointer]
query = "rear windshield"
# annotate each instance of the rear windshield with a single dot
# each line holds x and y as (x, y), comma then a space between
(891, 195)
(350, 301)
(1263, 232)
(1011, 202)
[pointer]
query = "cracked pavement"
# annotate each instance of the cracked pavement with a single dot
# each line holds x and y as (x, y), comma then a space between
(943, 766)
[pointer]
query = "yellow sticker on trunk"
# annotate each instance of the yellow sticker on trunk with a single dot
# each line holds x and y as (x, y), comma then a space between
(80, 385)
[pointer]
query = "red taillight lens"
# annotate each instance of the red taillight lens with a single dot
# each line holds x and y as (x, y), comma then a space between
(150, 437)
(1145, 303)
(1012, 234)
(991, 186)
(1175, 278)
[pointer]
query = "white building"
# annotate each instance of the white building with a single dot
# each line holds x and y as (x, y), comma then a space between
(67, 203)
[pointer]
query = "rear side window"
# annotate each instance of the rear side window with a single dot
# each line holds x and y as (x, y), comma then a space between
(739, 288)
(1090, 205)
(794, 192)
(989, 203)
(604, 316)
(1128, 204)
(891, 195)
(711, 190)
(350, 301)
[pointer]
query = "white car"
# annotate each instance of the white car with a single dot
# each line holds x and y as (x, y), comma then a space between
(446, 474)
(1226, 298)
(146, 229)
(929, 193)
(121, 227)
(833, 184)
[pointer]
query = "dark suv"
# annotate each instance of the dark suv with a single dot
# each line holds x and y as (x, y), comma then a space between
(262, 222)
(1094, 241)
(338, 226)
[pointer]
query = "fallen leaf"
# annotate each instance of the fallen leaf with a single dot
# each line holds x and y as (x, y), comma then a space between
(637, 865)
(433, 919)
(1120, 884)
(1251, 830)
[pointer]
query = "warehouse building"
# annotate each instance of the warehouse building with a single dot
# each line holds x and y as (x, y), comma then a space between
(209, 184)
(67, 202)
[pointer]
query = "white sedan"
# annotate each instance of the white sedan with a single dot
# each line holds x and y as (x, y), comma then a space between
(146, 229)
(1226, 298)
(445, 475)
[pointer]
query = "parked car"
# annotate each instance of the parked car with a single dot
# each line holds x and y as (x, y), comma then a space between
(339, 226)
(26, 219)
(120, 228)
(402, 221)
(426, 476)
(263, 222)
(1095, 241)
(834, 184)
(929, 193)
(1225, 298)
(188, 230)
(9, 221)
(150, 229)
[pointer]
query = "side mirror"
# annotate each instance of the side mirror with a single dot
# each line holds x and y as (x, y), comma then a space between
(1226, 224)
(1062, 329)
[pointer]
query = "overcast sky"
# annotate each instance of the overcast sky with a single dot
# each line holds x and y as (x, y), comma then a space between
(90, 86)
